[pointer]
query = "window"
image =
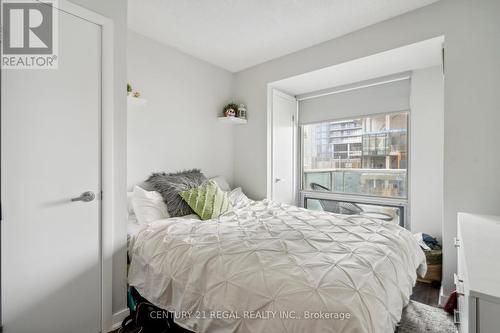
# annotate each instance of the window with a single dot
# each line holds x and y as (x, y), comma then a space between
(361, 156)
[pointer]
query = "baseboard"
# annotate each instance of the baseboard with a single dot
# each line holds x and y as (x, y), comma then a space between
(118, 318)
(442, 297)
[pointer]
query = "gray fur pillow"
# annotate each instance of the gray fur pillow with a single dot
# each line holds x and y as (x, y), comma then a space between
(170, 185)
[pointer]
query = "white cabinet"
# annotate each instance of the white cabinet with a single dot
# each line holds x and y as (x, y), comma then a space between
(478, 273)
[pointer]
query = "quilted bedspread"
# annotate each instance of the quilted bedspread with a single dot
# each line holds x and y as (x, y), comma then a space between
(270, 267)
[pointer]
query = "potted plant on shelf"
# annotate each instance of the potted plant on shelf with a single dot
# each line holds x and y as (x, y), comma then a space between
(131, 92)
(230, 110)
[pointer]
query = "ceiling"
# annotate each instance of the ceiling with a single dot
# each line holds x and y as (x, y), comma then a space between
(237, 34)
(419, 55)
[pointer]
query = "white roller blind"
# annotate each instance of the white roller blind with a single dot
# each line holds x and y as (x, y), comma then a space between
(386, 97)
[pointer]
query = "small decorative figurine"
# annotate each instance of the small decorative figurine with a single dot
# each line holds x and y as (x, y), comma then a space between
(230, 110)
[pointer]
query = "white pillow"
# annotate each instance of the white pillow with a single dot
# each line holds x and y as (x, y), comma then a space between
(222, 183)
(148, 206)
(130, 208)
(237, 197)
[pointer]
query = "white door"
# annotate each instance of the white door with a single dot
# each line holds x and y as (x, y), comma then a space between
(51, 142)
(284, 147)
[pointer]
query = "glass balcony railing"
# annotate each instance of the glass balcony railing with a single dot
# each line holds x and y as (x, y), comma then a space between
(372, 182)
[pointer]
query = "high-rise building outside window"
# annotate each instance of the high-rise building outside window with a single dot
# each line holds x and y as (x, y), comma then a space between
(361, 156)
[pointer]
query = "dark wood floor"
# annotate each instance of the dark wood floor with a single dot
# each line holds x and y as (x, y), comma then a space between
(422, 292)
(426, 293)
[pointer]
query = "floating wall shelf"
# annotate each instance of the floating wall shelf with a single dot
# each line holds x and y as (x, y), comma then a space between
(233, 120)
(136, 101)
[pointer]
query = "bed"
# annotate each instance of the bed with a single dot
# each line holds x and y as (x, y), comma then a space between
(270, 267)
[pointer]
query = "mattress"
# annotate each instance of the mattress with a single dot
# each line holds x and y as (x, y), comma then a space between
(270, 267)
(133, 226)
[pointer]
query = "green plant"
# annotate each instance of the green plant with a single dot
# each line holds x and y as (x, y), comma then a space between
(129, 88)
(233, 106)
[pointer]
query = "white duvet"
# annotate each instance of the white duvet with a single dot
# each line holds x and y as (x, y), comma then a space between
(269, 267)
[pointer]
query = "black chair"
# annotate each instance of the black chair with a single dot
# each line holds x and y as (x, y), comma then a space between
(334, 206)
(346, 208)
(327, 205)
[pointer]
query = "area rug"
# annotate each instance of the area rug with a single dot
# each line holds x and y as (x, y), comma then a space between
(420, 318)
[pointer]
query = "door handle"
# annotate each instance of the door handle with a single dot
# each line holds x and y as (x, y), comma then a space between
(277, 180)
(85, 197)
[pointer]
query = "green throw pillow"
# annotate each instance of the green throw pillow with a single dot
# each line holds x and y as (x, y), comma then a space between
(208, 201)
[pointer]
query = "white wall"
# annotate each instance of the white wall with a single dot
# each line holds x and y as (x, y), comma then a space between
(117, 11)
(178, 129)
(426, 154)
(472, 32)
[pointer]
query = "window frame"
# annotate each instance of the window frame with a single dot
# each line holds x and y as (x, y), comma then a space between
(357, 198)
(373, 200)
